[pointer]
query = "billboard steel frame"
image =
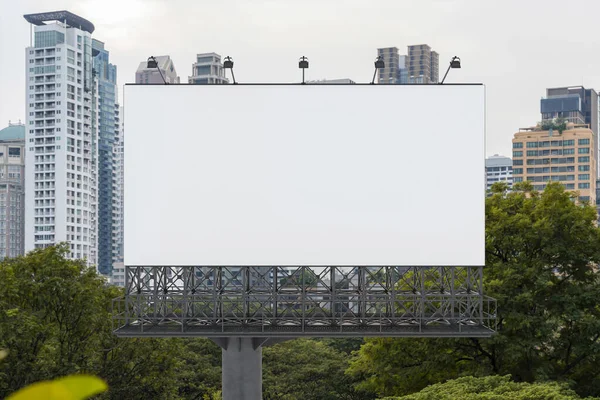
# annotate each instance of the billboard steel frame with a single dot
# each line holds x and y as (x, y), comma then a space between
(277, 302)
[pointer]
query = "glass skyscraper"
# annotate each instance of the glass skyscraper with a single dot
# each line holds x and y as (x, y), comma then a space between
(108, 136)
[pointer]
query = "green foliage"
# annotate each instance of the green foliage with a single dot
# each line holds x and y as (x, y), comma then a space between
(557, 124)
(306, 369)
(344, 345)
(55, 320)
(491, 388)
(542, 252)
(75, 387)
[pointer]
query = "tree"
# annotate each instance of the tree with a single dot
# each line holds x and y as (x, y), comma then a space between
(55, 320)
(559, 124)
(491, 388)
(306, 369)
(542, 252)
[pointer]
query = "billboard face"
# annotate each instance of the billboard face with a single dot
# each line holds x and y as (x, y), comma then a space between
(314, 175)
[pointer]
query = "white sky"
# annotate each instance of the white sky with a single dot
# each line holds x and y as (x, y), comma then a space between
(516, 47)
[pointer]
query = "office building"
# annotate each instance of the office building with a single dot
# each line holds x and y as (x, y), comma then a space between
(498, 169)
(208, 69)
(153, 75)
(12, 190)
(108, 133)
(575, 104)
(61, 160)
(541, 156)
(421, 65)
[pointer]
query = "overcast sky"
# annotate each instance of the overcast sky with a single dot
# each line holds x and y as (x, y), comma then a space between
(516, 47)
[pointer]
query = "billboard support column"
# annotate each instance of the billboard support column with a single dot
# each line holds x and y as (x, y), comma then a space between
(242, 369)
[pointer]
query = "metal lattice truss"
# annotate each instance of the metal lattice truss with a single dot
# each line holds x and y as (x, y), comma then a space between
(304, 301)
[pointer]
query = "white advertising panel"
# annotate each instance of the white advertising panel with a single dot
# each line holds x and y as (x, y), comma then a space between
(314, 175)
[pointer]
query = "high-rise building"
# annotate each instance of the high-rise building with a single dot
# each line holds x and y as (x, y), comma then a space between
(391, 59)
(118, 199)
(575, 104)
(108, 135)
(152, 75)
(61, 134)
(422, 64)
(402, 73)
(541, 156)
(117, 274)
(12, 190)
(208, 69)
(498, 169)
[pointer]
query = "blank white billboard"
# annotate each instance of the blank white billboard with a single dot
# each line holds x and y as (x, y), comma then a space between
(315, 175)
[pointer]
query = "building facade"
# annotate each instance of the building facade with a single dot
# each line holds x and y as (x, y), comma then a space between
(61, 159)
(117, 276)
(208, 69)
(391, 59)
(542, 156)
(108, 133)
(421, 65)
(118, 198)
(575, 104)
(152, 75)
(498, 169)
(12, 191)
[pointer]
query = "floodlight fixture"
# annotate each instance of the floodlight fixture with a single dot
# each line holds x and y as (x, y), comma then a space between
(228, 64)
(379, 64)
(303, 64)
(152, 63)
(454, 63)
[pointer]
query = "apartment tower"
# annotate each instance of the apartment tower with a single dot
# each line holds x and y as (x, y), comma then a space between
(61, 160)
(108, 136)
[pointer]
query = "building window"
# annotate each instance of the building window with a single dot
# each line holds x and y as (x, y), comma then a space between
(518, 145)
(583, 141)
(584, 185)
(584, 159)
(532, 145)
(568, 151)
(569, 142)
(518, 179)
(517, 154)
(532, 153)
(517, 162)
(584, 177)
(518, 171)
(584, 168)
(584, 150)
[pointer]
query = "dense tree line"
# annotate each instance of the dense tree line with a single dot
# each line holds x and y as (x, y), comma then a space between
(542, 252)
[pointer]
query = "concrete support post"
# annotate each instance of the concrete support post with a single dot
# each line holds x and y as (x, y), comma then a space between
(242, 369)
